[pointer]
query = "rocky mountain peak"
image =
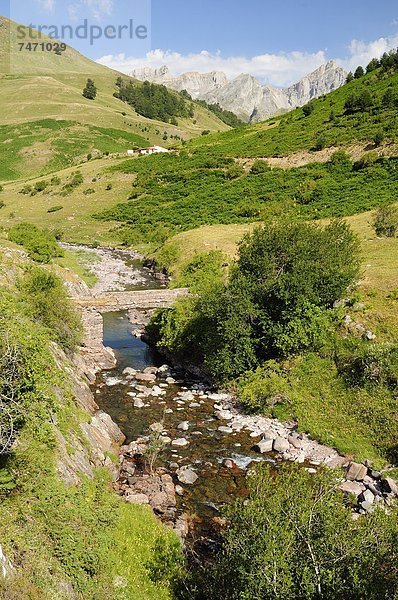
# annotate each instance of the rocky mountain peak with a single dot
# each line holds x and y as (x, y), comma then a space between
(245, 95)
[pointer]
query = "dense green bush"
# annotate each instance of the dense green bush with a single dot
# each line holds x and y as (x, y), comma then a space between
(288, 265)
(263, 389)
(294, 538)
(386, 221)
(276, 302)
(46, 302)
(369, 365)
(259, 166)
(41, 245)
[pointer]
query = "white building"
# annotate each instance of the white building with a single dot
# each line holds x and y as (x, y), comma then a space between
(149, 150)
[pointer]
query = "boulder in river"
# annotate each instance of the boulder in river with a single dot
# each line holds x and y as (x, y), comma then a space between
(187, 476)
(147, 377)
(184, 426)
(264, 446)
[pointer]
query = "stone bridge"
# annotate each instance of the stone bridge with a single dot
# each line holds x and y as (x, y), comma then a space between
(96, 356)
(144, 300)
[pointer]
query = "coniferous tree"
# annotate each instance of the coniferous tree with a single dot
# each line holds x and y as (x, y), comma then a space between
(90, 91)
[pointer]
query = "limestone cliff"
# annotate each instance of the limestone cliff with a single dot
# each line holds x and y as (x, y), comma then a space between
(244, 95)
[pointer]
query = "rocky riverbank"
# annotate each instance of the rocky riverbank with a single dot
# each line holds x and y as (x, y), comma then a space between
(191, 440)
(165, 488)
(116, 270)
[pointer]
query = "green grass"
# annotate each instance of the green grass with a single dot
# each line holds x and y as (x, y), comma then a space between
(358, 422)
(79, 261)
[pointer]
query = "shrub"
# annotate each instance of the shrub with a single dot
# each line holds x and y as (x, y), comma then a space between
(39, 186)
(367, 160)
(40, 244)
(90, 91)
(234, 172)
(55, 209)
(308, 109)
(294, 538)
(47, 302)
(363, 365)
(386, 221)
(340, 161)
(288, 265)
(261, 390)
(320, 142)
(75, 182)
(168, 256)
(259, 166)
(89, 191)
(379, 137)
(27, 189)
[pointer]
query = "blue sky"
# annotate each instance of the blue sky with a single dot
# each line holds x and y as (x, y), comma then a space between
(275, 41)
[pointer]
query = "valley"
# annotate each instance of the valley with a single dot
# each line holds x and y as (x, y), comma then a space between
(198, 348)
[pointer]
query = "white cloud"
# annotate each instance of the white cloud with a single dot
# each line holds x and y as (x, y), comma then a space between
(278, 69)
(47, 4)
(78, 8)
(99, 8)
(361, 53)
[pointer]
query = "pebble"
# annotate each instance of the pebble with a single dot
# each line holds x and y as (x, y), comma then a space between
(184, 426)
(223, 429)
(138, 403)
(180, 443)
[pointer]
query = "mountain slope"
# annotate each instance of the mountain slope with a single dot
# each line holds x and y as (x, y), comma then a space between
(44, 86)
(329, 124)
(244, 95)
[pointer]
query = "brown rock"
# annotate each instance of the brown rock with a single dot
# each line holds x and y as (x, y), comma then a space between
(356, 472)
(137, 499)
(148, 377)
(390, 485)
(352, 487)
(295, 442)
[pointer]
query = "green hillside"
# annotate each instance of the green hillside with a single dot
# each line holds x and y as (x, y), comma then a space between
(348, 165)
(46, 87)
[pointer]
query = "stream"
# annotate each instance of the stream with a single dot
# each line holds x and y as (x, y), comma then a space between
(189, 448)
(185, 404)
(219, 455)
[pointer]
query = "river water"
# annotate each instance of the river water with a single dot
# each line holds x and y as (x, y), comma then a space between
(208, 447)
